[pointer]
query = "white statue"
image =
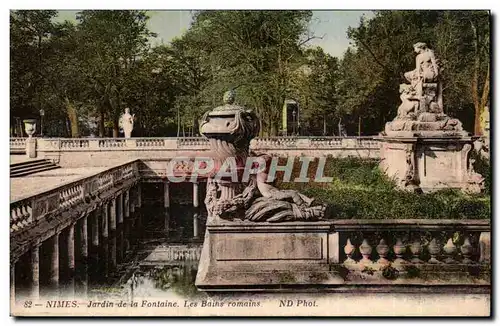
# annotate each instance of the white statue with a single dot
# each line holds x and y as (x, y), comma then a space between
(127, 123)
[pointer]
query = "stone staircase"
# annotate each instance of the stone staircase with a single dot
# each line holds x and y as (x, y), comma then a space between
(29, 167)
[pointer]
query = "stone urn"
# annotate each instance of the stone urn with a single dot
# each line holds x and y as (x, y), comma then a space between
(30, 126)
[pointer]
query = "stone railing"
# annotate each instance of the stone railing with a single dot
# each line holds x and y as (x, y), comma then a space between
(410, 249)
(176, 253)
(191, 143)
(76, 152)
(18, 145)
(27, 211)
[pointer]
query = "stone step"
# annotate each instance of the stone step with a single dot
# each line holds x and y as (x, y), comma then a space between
(33, 170)
(23, 169)
(27, 163)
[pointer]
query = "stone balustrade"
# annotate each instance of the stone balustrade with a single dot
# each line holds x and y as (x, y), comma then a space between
(410, 248)
(17, 144)
(77, 152)
(27, 211)
(174, 143)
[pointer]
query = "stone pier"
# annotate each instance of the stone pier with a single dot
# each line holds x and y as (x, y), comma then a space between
(70, 260)
(120, 209)
(112, 215)
(54, 263)
(35, 272)
(166, 205)
(196, 204)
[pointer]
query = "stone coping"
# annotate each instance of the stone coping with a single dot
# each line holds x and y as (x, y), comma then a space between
(67, 183)
(352, 225)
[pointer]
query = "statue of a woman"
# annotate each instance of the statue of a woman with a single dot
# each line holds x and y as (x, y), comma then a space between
(426, 68)
(426, 71)
(127, 123)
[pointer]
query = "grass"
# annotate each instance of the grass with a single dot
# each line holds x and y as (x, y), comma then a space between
(361, 190)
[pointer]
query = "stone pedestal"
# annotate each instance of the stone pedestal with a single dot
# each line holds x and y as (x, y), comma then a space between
(240, 255)
(31, 147)
(429, 163)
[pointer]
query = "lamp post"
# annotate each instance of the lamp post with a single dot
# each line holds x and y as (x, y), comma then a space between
(42, 113)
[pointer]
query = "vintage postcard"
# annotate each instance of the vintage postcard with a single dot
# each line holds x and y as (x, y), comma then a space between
(250, 163)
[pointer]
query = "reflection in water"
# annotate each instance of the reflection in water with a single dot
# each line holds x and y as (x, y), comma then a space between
(164, 281)
(157, 260)
(142, 259)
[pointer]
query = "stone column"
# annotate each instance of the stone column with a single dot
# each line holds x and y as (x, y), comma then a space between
(112, 252)
(12, 285)
(95, 229)
(196, 204)
(83, 259)
(166, 205)
(133, 199)
(126, 203)
(112, 215)
(35, 272)
(103, 244)
(70, 264)
(104, 220)
(84, 245)
(139, 195)
(120, 209)
(54, 262)
(166, 194)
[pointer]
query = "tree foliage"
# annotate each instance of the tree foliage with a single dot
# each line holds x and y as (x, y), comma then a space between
(84, 73)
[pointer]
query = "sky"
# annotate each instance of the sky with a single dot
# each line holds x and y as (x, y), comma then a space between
(331, 25)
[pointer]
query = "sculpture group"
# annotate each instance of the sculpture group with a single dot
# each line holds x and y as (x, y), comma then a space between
(230, 129)
(421, 111)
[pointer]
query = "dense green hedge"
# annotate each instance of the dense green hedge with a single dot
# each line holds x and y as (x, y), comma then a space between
(360, 190)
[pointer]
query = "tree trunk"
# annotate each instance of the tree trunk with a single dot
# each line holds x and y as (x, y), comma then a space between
(73, 118)
(115, 127)
(101, 123)
(324, 125)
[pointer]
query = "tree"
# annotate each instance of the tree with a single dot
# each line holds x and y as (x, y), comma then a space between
(112, 41)
(382, 52)
(255, 52)
(30, 32)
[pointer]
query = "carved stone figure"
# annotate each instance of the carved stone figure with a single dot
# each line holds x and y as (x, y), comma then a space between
(421, 111)
(127, 123)
(230, 129)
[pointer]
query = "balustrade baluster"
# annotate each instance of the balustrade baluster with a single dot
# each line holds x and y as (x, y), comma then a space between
(382, 250)
(365, 249)
(450, 249)
(349, 251)
(416, 250)
(434, 250)
(466, 249)
(399, 250)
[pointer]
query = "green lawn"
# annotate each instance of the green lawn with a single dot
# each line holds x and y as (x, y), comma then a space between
(360, 190)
